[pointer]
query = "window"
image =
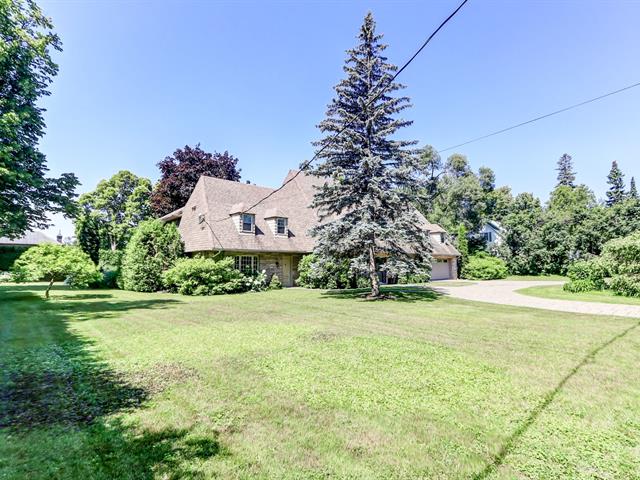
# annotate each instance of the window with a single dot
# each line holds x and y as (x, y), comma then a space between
(247, 222)
(442, 238)
(488, 236)
(247, 263)
(281, 226)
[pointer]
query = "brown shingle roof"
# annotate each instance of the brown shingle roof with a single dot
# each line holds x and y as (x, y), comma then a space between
(218, 199)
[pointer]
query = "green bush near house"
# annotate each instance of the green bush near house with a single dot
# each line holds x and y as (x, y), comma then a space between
(482, 266)
(275, 283)
(205, 276)
(316, 274)
(153, 249)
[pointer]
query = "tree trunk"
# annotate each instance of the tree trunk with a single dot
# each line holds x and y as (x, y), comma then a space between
(373, 274)
(46, 293)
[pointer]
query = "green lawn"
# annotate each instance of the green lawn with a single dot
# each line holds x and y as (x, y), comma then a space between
(556, 292)
(299, 384)
(528, 278)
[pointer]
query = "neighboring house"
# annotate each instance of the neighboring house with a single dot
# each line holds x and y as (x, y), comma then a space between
(492, 233)
(274, 235)
(12, 249)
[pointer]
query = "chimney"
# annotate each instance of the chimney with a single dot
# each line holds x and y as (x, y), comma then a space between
(59, 237)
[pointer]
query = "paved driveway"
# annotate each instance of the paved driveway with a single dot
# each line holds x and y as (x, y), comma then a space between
(504, 293)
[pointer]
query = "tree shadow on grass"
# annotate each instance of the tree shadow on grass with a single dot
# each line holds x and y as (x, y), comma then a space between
(399, 293)
(53, 386)
(510, 443)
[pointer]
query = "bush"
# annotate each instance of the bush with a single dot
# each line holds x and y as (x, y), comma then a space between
(592, 272)
(205, 276)
(627, 285)
(622, 255)
(275, 283)
(5, 277)
(153, 249)
(313, 273)
(484, 267)
(580, 285)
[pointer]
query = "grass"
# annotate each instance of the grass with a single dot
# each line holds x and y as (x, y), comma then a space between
(556, 292)
(299, 384)
(537, 278)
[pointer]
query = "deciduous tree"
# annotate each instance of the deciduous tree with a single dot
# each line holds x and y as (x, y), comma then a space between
(181, 171)
(27, 195)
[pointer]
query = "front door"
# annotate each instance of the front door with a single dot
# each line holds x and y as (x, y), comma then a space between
(286, 271)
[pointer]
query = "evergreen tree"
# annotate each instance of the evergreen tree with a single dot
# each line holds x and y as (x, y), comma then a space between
(615, 179)
(566, 174)
(370, 177)
(633, 191)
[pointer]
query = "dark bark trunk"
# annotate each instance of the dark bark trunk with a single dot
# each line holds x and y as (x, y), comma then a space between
(373, 274)
(46, 293)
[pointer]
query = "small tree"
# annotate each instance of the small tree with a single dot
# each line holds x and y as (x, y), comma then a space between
(153, 249)
(53, 262)
(615, 179)
(566, 174)
(633, 191)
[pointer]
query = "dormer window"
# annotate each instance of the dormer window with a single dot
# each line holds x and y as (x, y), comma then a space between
(281, 226)
(277, 221)
(248, 222)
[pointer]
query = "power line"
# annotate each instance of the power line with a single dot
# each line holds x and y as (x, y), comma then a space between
(628, 87)
(388, 83)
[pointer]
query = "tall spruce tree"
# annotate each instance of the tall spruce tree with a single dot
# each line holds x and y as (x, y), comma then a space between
(615, 179)
(370, 177)
(633, 191)
(566, 174)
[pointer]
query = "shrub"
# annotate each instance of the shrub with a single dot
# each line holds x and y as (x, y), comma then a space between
(313, 273)
(580, 285)
(5, 277)
(205, 276)
(484, 267)
(53, 262)
(592, 271)
(275, 283)
(153, 249)
(622, 255)
(627, 285)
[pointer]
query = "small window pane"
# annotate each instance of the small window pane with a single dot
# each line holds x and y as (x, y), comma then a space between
(247, 223)
(281, 228)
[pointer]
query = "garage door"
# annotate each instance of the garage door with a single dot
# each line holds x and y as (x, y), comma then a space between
(440, 269)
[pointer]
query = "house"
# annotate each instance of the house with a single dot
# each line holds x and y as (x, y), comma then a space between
(492, 233)
(11, 249)
(273, 236)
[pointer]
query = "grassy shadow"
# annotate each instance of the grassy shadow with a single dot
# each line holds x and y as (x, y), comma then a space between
(509, 445)
(53, 387)
(397, 293)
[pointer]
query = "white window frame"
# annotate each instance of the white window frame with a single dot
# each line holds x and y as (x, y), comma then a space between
(247, 263)
(285, 226)
(242, 222)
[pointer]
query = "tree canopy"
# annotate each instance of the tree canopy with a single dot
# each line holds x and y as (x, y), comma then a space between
(566, 174)
(110, 212)
(181, 171)
(27, 195)
(371, 176)
(53, 262)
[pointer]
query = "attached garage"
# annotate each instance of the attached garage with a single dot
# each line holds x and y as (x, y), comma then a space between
(443, 269)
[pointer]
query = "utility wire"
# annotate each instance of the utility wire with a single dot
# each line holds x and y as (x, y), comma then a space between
(388, 83)
(628, 87)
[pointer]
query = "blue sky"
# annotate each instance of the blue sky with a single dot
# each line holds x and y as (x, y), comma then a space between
(139, 79)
